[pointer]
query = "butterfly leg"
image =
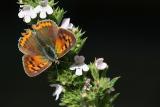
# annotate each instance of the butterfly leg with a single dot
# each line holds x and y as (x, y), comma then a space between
(57, 61)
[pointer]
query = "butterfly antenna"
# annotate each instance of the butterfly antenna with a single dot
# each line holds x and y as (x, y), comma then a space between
(65, 62)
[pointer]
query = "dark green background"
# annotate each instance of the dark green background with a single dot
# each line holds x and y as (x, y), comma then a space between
(124, 32)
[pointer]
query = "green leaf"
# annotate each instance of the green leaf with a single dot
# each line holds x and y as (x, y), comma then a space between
(71, 98)
(104, 73)
(78, 81)
(79, 40)
(113, 81)
(94, 71)
(66, 77)
(57, 15)
(52, 3)
(80, 45)
(104, 83)
(113, 98)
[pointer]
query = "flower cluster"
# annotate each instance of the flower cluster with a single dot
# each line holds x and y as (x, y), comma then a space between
(79, 66)
(27, 12)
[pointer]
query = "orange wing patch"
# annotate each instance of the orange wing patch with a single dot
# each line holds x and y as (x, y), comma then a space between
(64, 42)
(28, 44)
(60, 46)
(25, 37)
(42, 24)
(35, 65)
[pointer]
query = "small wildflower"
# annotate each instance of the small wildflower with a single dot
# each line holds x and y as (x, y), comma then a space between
(58, 90)
(27, 13)
(87, 85)
(43, 8)
(100, 65)
(79, 65)
(66, 24)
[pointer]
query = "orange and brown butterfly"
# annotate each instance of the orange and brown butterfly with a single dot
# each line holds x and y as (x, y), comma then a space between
(43, 45)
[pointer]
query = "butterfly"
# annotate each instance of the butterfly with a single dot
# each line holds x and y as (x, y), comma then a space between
(44, 45)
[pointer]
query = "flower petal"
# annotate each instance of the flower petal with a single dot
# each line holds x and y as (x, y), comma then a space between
(21, 14)
(38, 9)
(43, 15)
(49, 9)
(79, 60)
(85, 68)
(33, 15)
(70, 26)
(99, 61)
(78, 72)
(57, 97)
(65, 23)
(102, 66)
(58, 90)
(27, 19)
(73, 67)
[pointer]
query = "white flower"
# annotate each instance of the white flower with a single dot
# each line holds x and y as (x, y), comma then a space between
(27, 13)
(43, 8)
(66, 24)
(79, 65)
(100, 65)
(58, 90)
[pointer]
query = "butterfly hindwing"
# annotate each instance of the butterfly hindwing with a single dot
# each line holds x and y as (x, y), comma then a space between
(35, 65)
(28, 44)
(64, 41)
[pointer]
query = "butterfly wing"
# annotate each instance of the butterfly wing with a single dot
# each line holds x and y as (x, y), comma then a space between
(60, 39)
(28, 44)
(46, 31)
(35, 65)
(64, 41)
(33, 60)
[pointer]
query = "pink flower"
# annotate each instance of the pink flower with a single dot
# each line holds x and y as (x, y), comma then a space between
(100, 65)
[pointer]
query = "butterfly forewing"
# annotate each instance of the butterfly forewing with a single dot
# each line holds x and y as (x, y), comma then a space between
(64, 41)
(46, 31)
(28, 44)
(35, 65)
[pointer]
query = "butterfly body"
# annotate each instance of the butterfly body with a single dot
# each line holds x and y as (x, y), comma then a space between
(44, 46)
(49, 53)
